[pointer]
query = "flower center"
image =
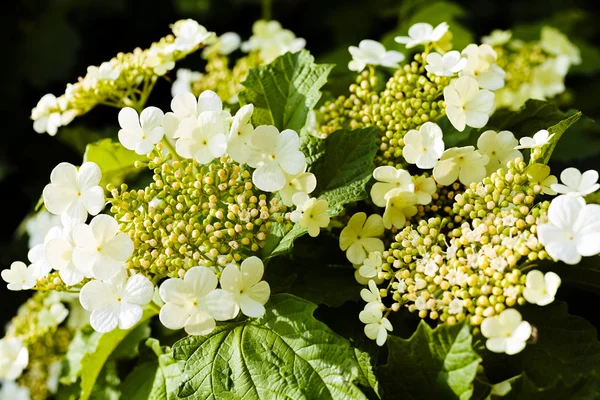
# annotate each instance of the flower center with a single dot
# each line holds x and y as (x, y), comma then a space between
(204, 142)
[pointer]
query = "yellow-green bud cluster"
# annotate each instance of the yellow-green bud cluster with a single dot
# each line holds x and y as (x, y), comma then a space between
(193, 215)
(442, 201)
(411, 97)
(478, 272)
(221, 79)
(45, 344)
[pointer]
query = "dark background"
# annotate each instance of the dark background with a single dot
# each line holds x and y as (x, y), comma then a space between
(50, 43)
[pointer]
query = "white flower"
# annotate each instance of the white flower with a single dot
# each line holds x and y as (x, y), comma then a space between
(422, 33)
(47, 115)
(399, 205)
(239, 134)
(446, 65)
(554, 42)
(38, 226)
(140, 133)
(194, 302)
(548, 79)
(456, 306)
(183, 82)
(425, 187)
(100, 247)
(53, 315)
(225, 44)
(389, 178)
(506, 332)
(305, 182)
(540, 174)
(160, 59)
(572, 231)
(466, 104)
(482, 66)
(371, 52)
(541, 138)
(310, 213)
(499, 147)
(188, 35)
(360, 236)
(372, 266)
(577, 184)
(203, 139)
(271, 41)
(19, 276)
(244, 283)
(12, 391)
(37, 255)
(185, 105)
(377, 326)
(498, 37)
(107, 71)
(464, 163)
(14, 357)
(116, 302)
(59, 254)
(423, 147)
(540, 289)
(275, 155)
(73, 194)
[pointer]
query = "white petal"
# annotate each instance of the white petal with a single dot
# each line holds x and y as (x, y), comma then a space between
(89, 176)
(119, 248)
(251, 308)
(104, 228)
(200, 323)
(128, 119)
(231, 279)
(173, 316)
(93, 200)
(129, 315)
(184, 105)
(252, 270)
(209, 101)
(57, 199)
(269, 178)
(221, 305)
(151, 118)
(202, 280)
(138, 290)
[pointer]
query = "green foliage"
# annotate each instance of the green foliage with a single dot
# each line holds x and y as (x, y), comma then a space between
(343, 175)
(557, 130)
(286, 353)
(285, 91)
(438, 362)
(114, 160)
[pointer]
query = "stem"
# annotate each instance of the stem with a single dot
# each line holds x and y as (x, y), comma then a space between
(266, 9)
(169, 146)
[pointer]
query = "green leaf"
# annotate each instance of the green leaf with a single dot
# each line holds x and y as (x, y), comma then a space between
(280, 242)
(129, 347)
(368, 376)
(558, 130)
(114, 160)
(140, 381)
(285, 91)
(85, 341)
(93, 362)
(79, 136)
(344, 171)
(565, 357)
(438, 362)
(284, 354)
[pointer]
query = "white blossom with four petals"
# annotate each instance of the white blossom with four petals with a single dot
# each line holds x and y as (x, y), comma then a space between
(576, 184)
(245, 283)
(117, 302)
(239, 134)
(203, 139)
(445, 65)
(463, 163)
(186, 105)
(100, 247)
(506, 332)
(194, 302)
(423, 147)
(425, 188)
(499, 147)
(305, 182)
(377, 326)
(140, 132)
(361, 236)
(399, 206)
(422, 33)
(540, 139)
(466, 104)
(59, 253)
(540, 289)
(572, 231)
(188, 35)
(274, 155)
(14, 357)
(74, 193)
(371, 52)
(481, 65)
(19, 276)
(310, 213)
(389, 178)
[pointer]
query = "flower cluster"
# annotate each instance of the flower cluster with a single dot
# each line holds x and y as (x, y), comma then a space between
(534, 70)
(435, 84)
(269, 41)
(125, 80)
